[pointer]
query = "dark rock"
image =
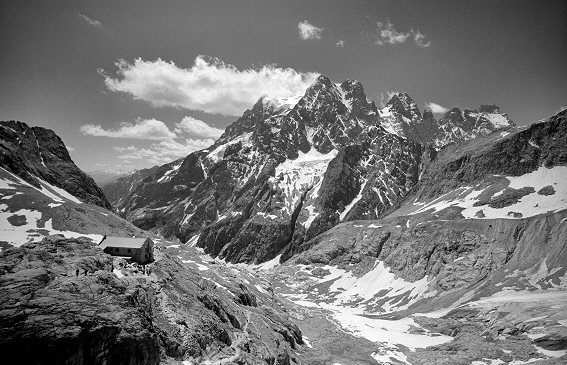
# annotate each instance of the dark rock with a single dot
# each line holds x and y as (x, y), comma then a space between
(34, 153)
(546, 190)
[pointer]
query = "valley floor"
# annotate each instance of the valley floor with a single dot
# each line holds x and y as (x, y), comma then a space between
(509, 327)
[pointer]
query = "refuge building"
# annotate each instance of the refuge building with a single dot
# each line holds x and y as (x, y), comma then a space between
(139, 249)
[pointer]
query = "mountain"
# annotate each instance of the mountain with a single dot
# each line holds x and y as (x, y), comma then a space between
(292, 168)
(44, 192)
(470, 267)
(117, 188)
(102, 177)
(40, 158)
(285, 171)
(463, 125)
(402, 117)
(381, 249)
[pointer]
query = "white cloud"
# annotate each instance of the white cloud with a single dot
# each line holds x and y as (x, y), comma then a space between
(309, 31)
(209, 85)
(164, 151)
(436, 108)
(91, 21)
(69, 148)
(188, 135)
(419, 40)
(561, 108)
(387, 34)
(340, 43)
(197, 128)
(151, 129)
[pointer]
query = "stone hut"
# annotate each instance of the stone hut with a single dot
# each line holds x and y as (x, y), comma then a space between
(139, 249)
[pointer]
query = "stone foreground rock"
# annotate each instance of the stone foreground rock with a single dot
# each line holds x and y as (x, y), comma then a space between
(49, 314)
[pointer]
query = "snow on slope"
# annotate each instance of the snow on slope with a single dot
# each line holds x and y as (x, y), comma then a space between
(390, 123)
(351, 301)
(23, 210)
(56, 194)
(281, 104)
(293, 177)
(529, 205)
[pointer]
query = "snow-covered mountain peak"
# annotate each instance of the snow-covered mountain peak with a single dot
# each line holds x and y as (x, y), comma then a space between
(279, 104)
(403, 104)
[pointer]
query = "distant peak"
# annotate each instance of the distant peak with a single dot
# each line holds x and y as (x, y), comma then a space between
(488, 109)
(322, 80)
(402, 103)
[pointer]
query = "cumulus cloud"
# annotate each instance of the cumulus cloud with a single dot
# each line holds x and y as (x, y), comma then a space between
(309, 31)
(210, 85)
(187, 136)
(69, 148)
(164, 151)
(387, 34)
(197, 128)
(419, 40)
(340, 43)
(91, 21)
(151, 129)
(436, 108)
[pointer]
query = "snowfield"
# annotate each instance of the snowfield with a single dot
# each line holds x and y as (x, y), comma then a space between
(527, 206)
(294, 177)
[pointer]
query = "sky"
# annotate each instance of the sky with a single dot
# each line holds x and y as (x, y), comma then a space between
(132, 84)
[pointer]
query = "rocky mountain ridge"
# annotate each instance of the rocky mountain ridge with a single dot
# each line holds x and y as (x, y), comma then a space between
(270, 180)
(402, 117)
(292, 168)
(37, 154)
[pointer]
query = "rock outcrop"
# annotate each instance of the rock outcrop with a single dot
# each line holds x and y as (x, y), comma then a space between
(52, 315)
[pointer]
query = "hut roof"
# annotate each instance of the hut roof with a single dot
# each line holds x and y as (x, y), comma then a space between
(127, 242)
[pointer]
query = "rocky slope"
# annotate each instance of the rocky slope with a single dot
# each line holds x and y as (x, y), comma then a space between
(115, 314)
(402, 117)
(441, 292)
(286, 171)
(470, 267)
(514, 173)
(117, 189)
(39, 156)
(291, 168)
(28, 213)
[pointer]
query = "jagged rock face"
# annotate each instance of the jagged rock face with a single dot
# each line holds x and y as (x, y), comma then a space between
(287, 170)
(35, 153)
(450, 255)
(504, 153)
(51, 315)
(291, 168)
(401, 116)
(463, 125)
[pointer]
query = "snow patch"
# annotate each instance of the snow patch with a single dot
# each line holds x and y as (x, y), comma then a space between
(354, 201)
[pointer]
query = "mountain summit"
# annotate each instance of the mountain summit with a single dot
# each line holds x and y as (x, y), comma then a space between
(291, 168)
